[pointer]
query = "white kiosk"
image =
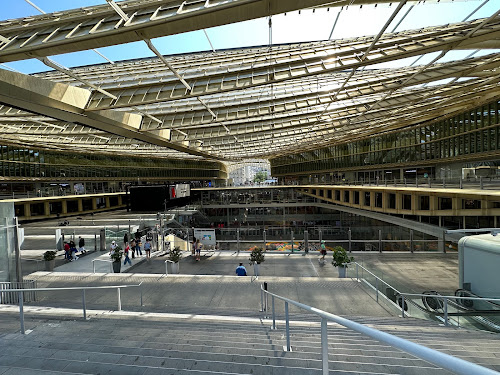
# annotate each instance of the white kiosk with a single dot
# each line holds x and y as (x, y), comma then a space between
(479, 264)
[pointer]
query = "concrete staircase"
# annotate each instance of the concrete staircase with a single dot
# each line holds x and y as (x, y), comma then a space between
(146, 344)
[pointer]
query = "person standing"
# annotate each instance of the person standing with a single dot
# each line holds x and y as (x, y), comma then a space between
(241, 270)
(199, 245)
(81, 245)
(147, 248)
(127, 259)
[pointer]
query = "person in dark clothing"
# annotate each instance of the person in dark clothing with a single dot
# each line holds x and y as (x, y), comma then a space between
(81, 245)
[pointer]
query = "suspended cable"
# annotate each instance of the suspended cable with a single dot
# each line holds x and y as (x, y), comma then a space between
(211, 46)
(464, 20)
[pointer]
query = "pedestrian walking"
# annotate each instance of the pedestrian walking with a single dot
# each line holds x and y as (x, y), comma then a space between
(112, 247)
(81, 245)
(127, 259)
(322, 252)
(132, 246)
(138, 246)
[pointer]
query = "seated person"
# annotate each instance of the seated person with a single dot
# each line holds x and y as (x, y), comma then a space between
(241, 270)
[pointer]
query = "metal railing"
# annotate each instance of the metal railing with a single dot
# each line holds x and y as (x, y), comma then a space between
(448, 362)
(8, 298)
(102, 260)
(446, 301)
(83, 289)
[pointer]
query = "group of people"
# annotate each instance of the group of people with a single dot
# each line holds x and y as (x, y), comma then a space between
(133, 247)
(70, 249)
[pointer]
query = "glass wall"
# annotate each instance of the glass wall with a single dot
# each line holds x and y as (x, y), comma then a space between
(22, 162)
(468, 135)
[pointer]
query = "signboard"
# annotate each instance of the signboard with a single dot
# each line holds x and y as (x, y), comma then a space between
(182, 190)
(206, 236)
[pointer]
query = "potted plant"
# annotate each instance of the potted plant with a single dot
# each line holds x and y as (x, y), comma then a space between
(341, 259)
(256, 258)
(175, 256)
(50, 260)
(116, 256)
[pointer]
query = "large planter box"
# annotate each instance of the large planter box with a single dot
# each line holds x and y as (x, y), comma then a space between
(117, 266)
(49, 265)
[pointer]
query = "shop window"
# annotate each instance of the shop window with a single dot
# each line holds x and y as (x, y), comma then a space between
(424, 202)
(471, 204)
(346, 196)
(406, 201)
(367, 198)
(392, 201)
(445, 203)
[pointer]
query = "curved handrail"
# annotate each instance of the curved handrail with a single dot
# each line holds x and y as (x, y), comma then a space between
(446, 361)
(424, 295)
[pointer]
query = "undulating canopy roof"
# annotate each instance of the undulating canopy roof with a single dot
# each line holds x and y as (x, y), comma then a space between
(257, 102)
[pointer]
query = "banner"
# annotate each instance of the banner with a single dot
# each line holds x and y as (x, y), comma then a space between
(206, 236)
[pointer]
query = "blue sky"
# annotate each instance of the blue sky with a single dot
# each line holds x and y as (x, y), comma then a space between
(293, 27)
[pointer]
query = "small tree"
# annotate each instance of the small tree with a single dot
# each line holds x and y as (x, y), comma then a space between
(49, 255)
(117, 254)
(257, 255)
(340, 257)
(175, 254)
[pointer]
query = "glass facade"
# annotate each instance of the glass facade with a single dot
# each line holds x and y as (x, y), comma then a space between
(22, 162)
(471, 134)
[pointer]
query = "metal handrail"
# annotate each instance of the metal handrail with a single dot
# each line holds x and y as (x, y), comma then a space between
(403, 295)
(102, 260)
(446, 361)
(82, 288)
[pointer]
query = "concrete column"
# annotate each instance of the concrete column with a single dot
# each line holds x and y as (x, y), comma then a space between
(120, 200)
(108, 203)
(433, 204)
(94, 203)
(80, 205)
(46, 208)
(27, 210)
(64, 209)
